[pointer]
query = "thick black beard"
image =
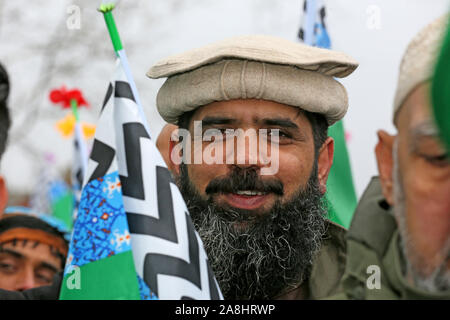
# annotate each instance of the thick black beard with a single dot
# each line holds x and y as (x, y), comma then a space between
(271, 254)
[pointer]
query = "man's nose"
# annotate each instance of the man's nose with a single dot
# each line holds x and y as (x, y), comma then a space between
(247, 151)
(26, 280)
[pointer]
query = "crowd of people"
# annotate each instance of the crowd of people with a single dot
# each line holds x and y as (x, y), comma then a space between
(266, 233)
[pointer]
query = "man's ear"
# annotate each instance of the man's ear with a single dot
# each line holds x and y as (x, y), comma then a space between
(3, 196)
(384, 155)
(174, 160)
(324, 163)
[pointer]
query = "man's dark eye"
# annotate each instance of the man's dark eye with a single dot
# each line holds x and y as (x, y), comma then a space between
(7, 267)
(279, 133)
(217, 131)
(440, 160)
(44, 278)
(284, 134)
(44, 275)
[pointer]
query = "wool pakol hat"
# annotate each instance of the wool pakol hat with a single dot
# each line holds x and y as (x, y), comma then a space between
(418, 61)
(254, 67)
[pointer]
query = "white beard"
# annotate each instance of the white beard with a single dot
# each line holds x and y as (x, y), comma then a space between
(436, 280)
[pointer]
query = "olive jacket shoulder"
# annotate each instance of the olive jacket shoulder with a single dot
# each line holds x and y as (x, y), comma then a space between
(375, 263)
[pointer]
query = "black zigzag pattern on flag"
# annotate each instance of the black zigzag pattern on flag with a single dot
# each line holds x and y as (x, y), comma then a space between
(107, 96)
(164, 227)
(155, 264)
(104, 156)
(123, 90)
(77, 170)
(79, 177)
(132, 186)
(301, 32)
(212, 285)
(322, 13)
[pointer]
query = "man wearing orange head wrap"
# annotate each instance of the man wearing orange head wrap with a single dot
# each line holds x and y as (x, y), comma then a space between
(32, 252)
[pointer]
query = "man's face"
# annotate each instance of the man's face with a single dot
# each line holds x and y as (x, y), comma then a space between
(27, 264)
(260, 231)
(422, 193)
(295, 159)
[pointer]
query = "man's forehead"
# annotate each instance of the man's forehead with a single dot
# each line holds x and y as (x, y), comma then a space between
(425, 128)
(421, 130)
(23, 246)
(251, 110)
(30, 250)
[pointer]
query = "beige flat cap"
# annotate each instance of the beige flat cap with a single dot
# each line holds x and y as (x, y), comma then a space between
(419, 60)
(254, 67)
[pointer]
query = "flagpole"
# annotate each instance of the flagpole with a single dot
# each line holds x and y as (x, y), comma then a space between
(79, 135)
(74, 106)
(107, 9)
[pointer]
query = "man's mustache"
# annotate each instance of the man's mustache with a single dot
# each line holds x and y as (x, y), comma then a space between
(244, 179)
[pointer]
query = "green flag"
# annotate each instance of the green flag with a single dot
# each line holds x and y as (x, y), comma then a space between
(440, 91)
(341, 196)
(112, 278)
(341, 193)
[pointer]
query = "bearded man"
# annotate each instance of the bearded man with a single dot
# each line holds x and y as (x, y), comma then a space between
(263, 223)
(399, 239)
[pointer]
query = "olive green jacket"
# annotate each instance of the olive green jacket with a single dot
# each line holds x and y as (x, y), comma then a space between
(373, 240)
(327, 269)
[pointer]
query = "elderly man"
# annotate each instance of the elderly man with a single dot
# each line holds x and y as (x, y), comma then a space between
(399, 240)
(259, 212)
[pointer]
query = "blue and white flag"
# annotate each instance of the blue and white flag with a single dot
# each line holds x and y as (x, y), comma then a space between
(313, 30)
(128, 175)
(168, 252)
